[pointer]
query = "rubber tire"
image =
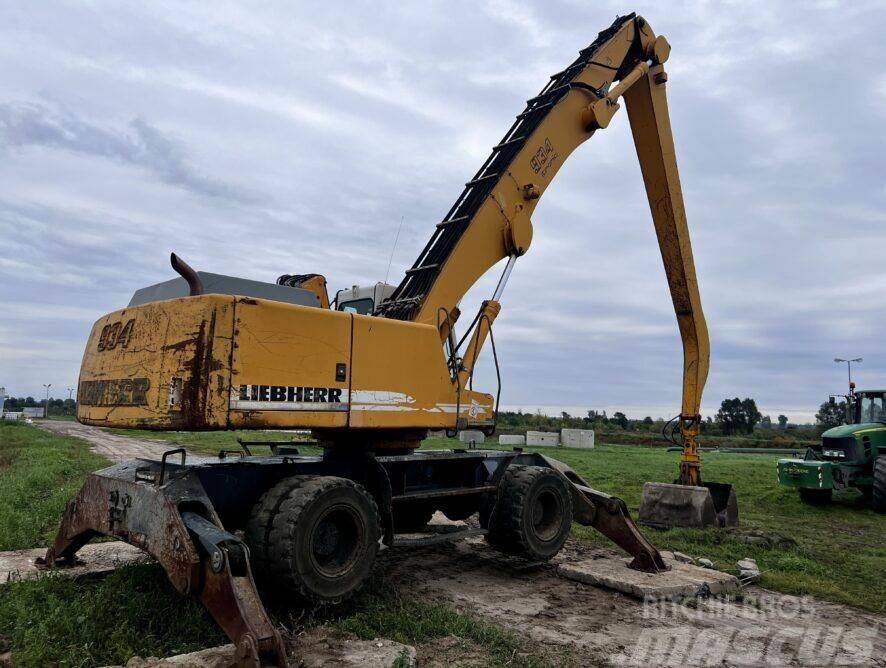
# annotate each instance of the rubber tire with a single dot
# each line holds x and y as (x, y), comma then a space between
(281, 534)
(878, 493)
(816, 497)
(413, 517)
(512, 527)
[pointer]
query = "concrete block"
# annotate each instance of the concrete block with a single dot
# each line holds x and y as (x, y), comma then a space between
(546, 438)
(681, 580)
(511, 439)
(577, 438)
(93, 559)
(471, 436)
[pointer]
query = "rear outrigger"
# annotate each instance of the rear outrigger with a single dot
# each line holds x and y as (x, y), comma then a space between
(369, 374)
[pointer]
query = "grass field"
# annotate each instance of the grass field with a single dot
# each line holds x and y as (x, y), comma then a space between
(39, 472)
(839, 555)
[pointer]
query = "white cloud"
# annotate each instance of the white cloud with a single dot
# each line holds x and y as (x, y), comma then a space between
(271, 139)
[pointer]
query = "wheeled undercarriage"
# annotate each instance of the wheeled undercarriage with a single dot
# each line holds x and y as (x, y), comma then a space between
(289, 524)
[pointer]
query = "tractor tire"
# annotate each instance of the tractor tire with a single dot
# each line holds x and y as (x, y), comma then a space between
(533, 515)
(315, 538)
(816, 497)
(878, 492)
(412, 518)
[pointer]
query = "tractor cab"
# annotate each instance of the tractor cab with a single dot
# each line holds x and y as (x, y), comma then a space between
(869, 407)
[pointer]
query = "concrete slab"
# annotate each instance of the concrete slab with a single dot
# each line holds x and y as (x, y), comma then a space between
(511, 439)
(682, 580)
(320, 647)
(471, 436)
(95, 557)
(577, 438)
(542, 438)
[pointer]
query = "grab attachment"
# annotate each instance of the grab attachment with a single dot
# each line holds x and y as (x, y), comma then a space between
(199, 557)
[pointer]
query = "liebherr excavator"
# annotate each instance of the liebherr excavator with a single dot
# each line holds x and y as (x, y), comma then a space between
(369, 377)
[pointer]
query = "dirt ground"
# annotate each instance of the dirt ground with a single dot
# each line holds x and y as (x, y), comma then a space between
(575, 624)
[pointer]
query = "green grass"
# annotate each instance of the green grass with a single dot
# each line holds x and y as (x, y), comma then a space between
(840, 552)
(390, 614)
(99, 621)
(39, 472)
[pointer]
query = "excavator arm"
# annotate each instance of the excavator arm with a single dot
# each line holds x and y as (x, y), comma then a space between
(491, 220)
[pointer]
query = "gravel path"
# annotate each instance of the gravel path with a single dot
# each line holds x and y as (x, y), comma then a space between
(116, 448)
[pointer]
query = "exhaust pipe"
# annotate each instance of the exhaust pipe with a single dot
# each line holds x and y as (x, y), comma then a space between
(185, 270)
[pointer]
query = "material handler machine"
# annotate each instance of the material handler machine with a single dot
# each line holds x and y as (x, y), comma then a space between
(369, 377)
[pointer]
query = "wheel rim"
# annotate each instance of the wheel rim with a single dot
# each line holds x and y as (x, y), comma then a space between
(336, 541)
(547, 515)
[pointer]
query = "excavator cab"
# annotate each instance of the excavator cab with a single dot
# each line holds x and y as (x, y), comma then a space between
(363, 300)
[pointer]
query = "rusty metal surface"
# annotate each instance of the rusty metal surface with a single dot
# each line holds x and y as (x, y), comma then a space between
(199, 557)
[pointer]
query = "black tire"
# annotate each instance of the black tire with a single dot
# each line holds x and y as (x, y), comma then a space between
(533, 515)
(314, 537)
(878, 493)
(816, 497)
(412, 517)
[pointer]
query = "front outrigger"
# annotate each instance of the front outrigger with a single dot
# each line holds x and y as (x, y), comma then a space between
(369, 375)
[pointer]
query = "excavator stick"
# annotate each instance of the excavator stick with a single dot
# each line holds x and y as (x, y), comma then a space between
(173, 520)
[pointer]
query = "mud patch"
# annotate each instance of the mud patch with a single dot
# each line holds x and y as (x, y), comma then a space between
(595, 626)
(319, 647)
(451, 651)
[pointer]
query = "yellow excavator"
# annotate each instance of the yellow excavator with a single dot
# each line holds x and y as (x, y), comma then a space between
(369, 373)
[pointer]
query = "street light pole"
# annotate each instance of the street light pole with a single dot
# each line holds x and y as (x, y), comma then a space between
(840, 360)
(46, 406)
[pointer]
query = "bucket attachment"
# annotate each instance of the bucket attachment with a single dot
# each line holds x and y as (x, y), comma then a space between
(711, 504)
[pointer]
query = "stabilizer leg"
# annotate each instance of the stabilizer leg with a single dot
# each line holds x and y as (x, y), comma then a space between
(130, 502)
(609, 515)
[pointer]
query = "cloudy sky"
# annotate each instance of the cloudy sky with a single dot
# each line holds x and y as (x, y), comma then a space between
(256, 139)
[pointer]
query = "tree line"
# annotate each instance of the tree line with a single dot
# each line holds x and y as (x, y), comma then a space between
(56, 406)
(735, 417)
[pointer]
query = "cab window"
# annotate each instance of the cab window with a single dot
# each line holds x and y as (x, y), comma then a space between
(361, 306)
(872, 408)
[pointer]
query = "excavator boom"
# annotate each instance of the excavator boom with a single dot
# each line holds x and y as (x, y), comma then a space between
(491, 220)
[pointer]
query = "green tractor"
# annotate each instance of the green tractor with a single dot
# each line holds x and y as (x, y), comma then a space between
(851, 455)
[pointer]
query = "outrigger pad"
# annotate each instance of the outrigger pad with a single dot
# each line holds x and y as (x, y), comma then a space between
(664, 505)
